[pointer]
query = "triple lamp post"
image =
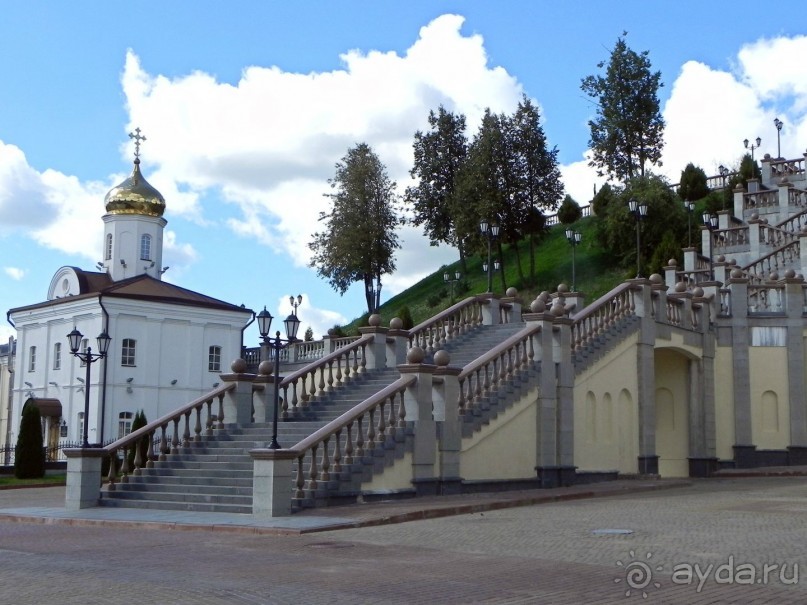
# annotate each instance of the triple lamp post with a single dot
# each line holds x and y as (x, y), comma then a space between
(490, 232)
(88, 358)
(292, 325)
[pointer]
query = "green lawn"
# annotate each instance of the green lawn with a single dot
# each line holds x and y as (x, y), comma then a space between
(12, 481)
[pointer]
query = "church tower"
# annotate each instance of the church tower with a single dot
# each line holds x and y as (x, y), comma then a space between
(133, 226)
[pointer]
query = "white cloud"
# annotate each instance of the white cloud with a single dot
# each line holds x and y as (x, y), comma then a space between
(14, 273)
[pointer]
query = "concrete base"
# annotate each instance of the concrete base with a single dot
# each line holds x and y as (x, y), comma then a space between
(556, 476)
(648, 465)
(703, 467)
(797, 455)
(271, 482)
(745, 456)
(83, 485)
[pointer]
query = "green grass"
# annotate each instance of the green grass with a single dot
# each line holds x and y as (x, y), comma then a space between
(12, 481)
(595, 275)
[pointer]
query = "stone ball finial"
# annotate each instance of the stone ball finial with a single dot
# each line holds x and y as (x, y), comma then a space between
(755, 216)
(396, 323)
(239, 366)
(441, 358)
(266, 367)
(415, 355)
(767, 156)
(557, 308)
(790, 274)
(721, 258)
(774, 276)
(511, 292)
(764, 221)
(563, 288)
(374, 320)
(736, 273)
(698, 292)
(656, 279)
(331, 332)
(538, 306)
(680, 287)
(672, 263)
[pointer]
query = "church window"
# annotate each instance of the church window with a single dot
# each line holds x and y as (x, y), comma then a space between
(214, 359)
(57, 356)
(108, 248)
(124, 424)
(127, 353)
(32, 359)
(145, 247)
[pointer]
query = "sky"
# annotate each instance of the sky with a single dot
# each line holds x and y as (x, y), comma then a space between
(248, 105)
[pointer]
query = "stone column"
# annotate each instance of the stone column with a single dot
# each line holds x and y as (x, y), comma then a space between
(646, 380)
(445, 396)
(794, 304)
(376, 351)
(754, 236)
(397, 342)
(784, 199)
(418, 405)
(513, 313)
(263, 393)
(744, 449)
(490, 310)
(83, 487)
(238, 401)
(272, 480)
(739, 201)
(565, 403)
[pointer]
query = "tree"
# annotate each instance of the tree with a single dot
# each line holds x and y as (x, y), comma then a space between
(692, 185)
(627, 133)
(569, 211)
(439, 156)
(359, 239)
(139, 421)
(29, 457)
(309, 334)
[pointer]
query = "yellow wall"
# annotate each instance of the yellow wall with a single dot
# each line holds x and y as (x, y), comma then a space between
(724, 403)
(605, 413)
(483, 455)
(770, 409)
(398, 476)
(672, 412)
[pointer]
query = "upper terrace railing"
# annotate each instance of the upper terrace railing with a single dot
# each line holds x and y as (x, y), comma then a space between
(789, 168)
(458, 319)
(602, 314)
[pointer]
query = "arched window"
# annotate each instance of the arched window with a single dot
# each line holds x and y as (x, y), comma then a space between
(127, 352)
(145, 247)
(108, 249)
(214, 359)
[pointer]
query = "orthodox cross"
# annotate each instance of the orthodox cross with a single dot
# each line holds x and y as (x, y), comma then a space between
(137, 138)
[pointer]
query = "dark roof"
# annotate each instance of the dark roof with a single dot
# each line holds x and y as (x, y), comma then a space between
(143, 287)
(47, 406)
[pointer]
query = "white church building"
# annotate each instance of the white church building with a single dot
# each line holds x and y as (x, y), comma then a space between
(168, 346)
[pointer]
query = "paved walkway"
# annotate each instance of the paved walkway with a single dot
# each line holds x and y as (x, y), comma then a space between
(574, 547)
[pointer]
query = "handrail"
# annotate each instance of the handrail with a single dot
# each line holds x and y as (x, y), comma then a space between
(791, 249)
(150, 430)
(357, 440)
(603, 313)
(459, 318)
(603, 300)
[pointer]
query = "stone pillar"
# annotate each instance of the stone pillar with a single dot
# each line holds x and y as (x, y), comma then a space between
(646, 380)
(397, 342)
(375, 355)
(565, 369)
(739, 201)
(743, 445)
(490, 310)
(547, 462)
(418, 405)
(511, 300)
(784, 199)
(272, 482)
(803, 249)
(445, 396)
(83, 478)
(238, 401)
(671, 270)
(794, 304)
(263, 393)
(754, 236)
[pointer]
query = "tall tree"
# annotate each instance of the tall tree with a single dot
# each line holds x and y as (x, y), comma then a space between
(359, 239)
(692, 185)
(627, 133)
(439, 156)
(537, 177)
(29, 458)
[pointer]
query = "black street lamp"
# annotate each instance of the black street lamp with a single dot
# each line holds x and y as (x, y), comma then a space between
(574, 238)
(724, 172)
(690, 206)
(374, 295)
(88, 358)
(490, 232)
(264, 324)
(295, 302)
(448, 279)
(752, 146)
(639, 210)
(710, 221)
(778, 123)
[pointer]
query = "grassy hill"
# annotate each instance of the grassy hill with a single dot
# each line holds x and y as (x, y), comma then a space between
(595, 275)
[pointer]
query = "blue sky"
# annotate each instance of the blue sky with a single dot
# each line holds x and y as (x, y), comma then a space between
(247, 106)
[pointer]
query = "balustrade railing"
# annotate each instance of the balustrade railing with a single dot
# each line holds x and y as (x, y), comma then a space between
(766, 298)
(775, 235)
(760, 199)
(778, 260)
(458, 319)
(729, 238)
(346, 439)
(484, 374)
(797, 197)
(602, 314)
(780, 168)
(725, 302)
(794, 224)
(164, 436)
(324, 375)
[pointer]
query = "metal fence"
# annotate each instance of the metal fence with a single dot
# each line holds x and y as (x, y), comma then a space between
(52, 454)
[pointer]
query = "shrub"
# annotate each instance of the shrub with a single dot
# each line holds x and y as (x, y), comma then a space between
(569, 211)
(143, 445)
(405, 315)
(29, 458)
(433, 300)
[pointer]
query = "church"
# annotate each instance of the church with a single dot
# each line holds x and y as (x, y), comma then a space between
(168, 344)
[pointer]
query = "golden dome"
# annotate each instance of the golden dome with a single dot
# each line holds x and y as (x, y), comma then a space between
(135, 196)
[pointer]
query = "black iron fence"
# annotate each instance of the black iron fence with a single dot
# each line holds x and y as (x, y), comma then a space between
(52, 454)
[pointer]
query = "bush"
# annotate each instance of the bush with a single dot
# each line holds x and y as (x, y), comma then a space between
(405, 315)
(29, 458)
(692, 186)
(569, 211)
(434, 300)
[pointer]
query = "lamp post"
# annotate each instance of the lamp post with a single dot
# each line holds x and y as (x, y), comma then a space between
(88, 357)
(264, 324)
(752, 147)
(448, 279)
(710, 221)
(639, 210)
(574, 238)
(490, 232)
(374, 295)
(295, 302)
(724, 172)
(690, 206)
(778, 123)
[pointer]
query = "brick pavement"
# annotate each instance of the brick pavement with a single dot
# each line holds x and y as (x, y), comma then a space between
(533, 554)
